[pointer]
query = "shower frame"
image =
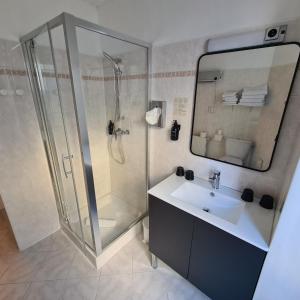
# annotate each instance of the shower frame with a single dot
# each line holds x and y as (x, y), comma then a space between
(70, 23)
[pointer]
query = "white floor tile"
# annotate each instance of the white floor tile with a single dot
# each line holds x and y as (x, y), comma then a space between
(81, 268)
(121, 263)
(61, 242)
(44, 245)
(22, 267)
(45, 290)
(180, 289)
(80, 289)
(149, 285)
(141, 258)
(56, 266)
(13, 291)
(55, 269)
(115, 287)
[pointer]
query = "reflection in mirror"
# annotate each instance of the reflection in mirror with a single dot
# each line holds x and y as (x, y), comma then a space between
(240, 100)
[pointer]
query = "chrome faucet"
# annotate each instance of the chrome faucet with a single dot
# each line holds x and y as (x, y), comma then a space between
(215, 179)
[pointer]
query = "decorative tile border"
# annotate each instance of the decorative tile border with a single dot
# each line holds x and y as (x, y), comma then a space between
(12, 72)
(158, 75)
(189, 73)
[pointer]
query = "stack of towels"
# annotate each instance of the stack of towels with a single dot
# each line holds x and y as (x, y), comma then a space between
(231, 97)
(254, 96)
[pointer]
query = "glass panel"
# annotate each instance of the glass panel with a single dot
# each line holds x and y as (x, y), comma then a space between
(56, 126)
(114, 82)
(60, 114)
(64, 83)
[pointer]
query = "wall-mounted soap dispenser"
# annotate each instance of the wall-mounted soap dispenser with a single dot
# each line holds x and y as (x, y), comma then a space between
(175, 131)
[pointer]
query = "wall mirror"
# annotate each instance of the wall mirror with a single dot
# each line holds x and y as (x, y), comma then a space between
(240, 100)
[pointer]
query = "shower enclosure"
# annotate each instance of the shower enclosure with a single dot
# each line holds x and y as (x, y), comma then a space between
(90, 88)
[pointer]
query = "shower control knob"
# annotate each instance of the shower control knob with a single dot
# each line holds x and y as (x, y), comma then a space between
(120, 131)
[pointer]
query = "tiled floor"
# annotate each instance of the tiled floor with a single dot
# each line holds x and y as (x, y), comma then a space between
(55, 269)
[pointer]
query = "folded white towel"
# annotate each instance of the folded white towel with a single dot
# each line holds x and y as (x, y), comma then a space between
(230, 103)
(230, 93)
(258, 93)
(253, 96)
(263, 87)
(242, 100)
(258, 90)
(230, 99)
(254, 104)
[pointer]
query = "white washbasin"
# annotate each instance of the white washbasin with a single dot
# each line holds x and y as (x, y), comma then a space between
(245, 220)
(222, 206)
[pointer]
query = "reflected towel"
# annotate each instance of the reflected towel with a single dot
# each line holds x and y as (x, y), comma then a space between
(252, 104)
(253, 96)
(230, 98)
(258, 90)
(231, 94)
(230, 102)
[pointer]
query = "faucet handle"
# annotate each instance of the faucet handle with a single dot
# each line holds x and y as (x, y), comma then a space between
(214, 173)
(217, 173)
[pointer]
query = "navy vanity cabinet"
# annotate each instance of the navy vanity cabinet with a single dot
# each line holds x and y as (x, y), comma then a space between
(170, 234)
(222, 266)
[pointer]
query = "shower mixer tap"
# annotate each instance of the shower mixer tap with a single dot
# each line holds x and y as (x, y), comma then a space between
(120, 131)
(116, 132)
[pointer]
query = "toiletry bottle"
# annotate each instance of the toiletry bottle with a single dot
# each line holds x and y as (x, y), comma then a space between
(175, 131)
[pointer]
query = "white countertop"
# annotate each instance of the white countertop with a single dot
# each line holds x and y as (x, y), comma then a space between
(254, 225)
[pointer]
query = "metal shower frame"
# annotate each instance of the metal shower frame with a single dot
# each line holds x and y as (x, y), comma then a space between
(70, 23)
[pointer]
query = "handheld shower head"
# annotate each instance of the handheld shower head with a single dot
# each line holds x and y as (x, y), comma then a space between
(115, 61)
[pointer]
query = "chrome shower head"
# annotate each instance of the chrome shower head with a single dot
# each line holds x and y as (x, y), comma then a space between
(115, 61)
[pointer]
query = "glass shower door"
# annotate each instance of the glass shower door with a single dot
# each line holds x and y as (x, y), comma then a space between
(114, 81)
(59, 124)
(54, 115)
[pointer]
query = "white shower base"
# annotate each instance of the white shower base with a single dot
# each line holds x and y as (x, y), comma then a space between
(111, 207)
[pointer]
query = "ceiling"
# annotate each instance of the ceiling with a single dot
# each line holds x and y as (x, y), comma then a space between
(95, 2)
(165, 21)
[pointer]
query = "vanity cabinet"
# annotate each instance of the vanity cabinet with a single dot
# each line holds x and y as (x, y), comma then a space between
(170, 234)
(221, 265)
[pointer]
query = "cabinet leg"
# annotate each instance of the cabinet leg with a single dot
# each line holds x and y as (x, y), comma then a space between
(153, 261)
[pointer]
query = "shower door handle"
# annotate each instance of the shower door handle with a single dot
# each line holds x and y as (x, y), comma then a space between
(68, 157)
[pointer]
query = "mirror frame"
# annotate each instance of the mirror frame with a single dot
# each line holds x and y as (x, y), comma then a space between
(284, 110)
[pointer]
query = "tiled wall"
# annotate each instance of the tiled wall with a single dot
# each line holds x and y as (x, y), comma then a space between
(165, 154)
(128, 181)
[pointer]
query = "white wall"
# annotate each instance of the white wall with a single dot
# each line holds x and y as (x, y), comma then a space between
(165, 21)
(280, 275)
(20, 17)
